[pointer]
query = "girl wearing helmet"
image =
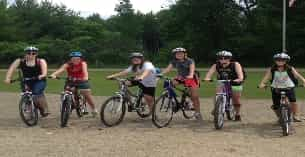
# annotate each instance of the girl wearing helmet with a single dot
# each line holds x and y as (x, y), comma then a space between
(186, 75)
(145, 77)
(228, 70)
(283, 76)
(78, 76)
(33, 68)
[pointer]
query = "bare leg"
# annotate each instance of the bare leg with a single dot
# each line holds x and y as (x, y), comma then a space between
(149, 100)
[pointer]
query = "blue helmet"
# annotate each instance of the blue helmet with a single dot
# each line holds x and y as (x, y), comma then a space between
(76, 54)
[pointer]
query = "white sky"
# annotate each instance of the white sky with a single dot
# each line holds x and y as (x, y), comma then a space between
(106, 7)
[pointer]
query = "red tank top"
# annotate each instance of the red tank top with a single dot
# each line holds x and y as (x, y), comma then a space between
(76, 71)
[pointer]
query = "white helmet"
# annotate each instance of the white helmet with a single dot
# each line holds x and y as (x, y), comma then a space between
(31, 48)
(178, 49)
(224, 53)
(136, 55)
(282, 55)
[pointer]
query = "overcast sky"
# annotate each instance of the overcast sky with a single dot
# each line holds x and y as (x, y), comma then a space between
(106, 7)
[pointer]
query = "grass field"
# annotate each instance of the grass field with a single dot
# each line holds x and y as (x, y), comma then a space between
(103, 87)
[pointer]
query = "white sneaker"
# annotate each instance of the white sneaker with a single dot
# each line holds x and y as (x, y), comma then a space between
(94, 113)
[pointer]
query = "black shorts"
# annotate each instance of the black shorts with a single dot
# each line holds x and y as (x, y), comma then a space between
(276, 96)
(146, 90)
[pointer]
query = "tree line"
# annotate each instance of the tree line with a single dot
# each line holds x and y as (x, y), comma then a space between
(251, 29)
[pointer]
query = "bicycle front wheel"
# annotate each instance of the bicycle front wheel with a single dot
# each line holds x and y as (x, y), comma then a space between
(218, 113)
(285, 123)
(28, 111)
(65, 110)
(162, 113)
(113, 111)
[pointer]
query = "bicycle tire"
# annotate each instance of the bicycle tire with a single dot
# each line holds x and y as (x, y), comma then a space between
(23, 104)
(167, 108)
(218, 113)
(106, 106)
(65, 110)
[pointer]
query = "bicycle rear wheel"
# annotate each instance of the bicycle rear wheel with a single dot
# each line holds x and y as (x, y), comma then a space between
(230, 111)
(65, 110)
(143, 110)
(113, 111)
(28, 111)
(81, 108)
(218, 113)
(162, 113)
(188, 109)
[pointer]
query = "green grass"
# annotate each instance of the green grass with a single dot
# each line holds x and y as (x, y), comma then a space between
(103, 87)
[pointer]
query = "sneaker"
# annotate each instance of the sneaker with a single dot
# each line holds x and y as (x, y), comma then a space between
(198, 117)
(46, 114)
(237, 118)
(296, 119)
(94, 113)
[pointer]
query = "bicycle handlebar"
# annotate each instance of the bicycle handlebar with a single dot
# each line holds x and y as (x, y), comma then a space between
(269, 86)
(25, 79)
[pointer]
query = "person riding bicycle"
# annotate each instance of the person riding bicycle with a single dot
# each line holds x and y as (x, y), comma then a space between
(229, 70)
(34, 69)
(145, 78)
(186, 75)
(283, 76)
(78, 77)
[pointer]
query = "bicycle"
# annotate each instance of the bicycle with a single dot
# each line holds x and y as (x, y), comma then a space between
(28, 110)
(168, 104)
(285, 113)
(223, 103)
(115, 106)
(71, 99)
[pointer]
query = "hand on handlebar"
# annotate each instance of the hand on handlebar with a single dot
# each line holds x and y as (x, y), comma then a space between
(53, 77)
(262, 85)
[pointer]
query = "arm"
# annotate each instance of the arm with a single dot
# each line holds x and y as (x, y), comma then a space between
(11, 70)
(192, 71)
(144, 74)
(167, 69)
(298, 75)
(85, 70)
(210, 73)
(239, 72)
(44, 69)
(265, 78)
(59, 71)
(122, 73)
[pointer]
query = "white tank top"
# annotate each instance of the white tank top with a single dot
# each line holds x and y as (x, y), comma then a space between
(282, 80)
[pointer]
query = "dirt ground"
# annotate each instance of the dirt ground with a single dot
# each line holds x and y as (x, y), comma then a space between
(256, 136)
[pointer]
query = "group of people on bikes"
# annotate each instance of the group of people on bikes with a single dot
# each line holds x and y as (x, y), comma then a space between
(281, 75)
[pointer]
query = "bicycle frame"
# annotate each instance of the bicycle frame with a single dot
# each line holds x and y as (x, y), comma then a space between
(168, 86)
(125, 94)
(226, 92)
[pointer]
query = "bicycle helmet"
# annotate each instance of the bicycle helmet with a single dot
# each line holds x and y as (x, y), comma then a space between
(136, 55)
(178, 49)
(76, 54)
(224, 53)
(31, 48)
(283, 56)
